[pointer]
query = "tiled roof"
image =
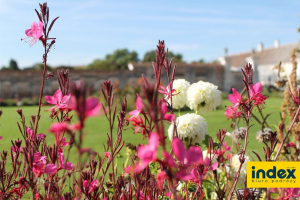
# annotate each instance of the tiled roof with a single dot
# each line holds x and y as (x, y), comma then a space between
(266, 56)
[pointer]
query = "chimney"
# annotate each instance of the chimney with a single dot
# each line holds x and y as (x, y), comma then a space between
(260, 47)
(225, 51)
(276, 43)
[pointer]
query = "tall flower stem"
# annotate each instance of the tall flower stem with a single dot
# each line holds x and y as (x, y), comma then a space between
(287, 134)
(42, 90)
(243, 156)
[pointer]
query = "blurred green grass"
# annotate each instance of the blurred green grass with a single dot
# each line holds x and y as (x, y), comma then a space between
(97, 127)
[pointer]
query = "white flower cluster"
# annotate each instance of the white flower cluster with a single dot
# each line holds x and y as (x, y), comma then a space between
(190, 126)
(179, 100)
(235, 164)
(203, 96)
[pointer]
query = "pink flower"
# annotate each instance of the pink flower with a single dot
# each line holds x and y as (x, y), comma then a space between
(141, 197)
(37, 196)
(167, 91)
(62, 164)
(255, 89)
(164, 110)
(291, 192)
(127, 171)
(186, 157)
(168, 194)
(58, 100)
(161, 176)
(1, 137)
(147, 153)
(29, 132)
(38, 163)
(198, 173)
(35, 33)
(50, 169)
(139, 125)
(90, 187)
(235, 98)
(296, 99)
(61, 127)
(231, 113)
(91, 106)
(221, 152)
(255, 93)
(138, 104)
(291, 144)
(106, 154)
(62, 142)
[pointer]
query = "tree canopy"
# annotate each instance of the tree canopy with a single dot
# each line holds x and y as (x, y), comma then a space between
(13, 65)
(118, 60)
(150, 57)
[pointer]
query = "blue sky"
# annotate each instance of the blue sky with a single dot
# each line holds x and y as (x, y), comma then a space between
(90, 29)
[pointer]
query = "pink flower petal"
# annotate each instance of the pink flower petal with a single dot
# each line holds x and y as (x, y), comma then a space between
(51, 100)
(164, 108)
(178, 149)
(169, 117)
(194, 155)
(214, 166)
(134, 113)
(139, 102)
(235, 97)
(34, 26)
(93, 186)
(68, 166)
(61, 159)
(92, 107)
(58, 127)
(50, 169)
(169, 159)
(183, 175)
(58, 95)
(206, 162)
(66, 98)
(85, 183)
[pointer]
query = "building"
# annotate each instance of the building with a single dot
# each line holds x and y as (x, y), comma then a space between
(263, 61)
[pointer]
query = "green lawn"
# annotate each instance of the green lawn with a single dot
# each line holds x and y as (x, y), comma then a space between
(96, 128)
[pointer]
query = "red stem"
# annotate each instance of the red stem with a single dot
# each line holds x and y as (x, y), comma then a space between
(286, 136)
(41, 92)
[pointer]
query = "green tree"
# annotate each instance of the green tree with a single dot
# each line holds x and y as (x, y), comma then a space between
(13, 65)
(40, 66)
(118, 60)
(150, 57)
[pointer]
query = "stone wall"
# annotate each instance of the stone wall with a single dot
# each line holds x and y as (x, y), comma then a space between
(27, 83)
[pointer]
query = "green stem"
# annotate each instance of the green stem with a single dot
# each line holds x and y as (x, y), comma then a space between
(179, 111)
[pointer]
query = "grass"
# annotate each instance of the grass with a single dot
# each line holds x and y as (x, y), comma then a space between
(97, 127)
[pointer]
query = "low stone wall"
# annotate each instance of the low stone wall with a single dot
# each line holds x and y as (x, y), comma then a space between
(27, 83)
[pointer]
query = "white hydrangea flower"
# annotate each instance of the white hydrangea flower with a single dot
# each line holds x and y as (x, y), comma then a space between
(190, 126)
(235, 164)
(179, 100)
(203, 96)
